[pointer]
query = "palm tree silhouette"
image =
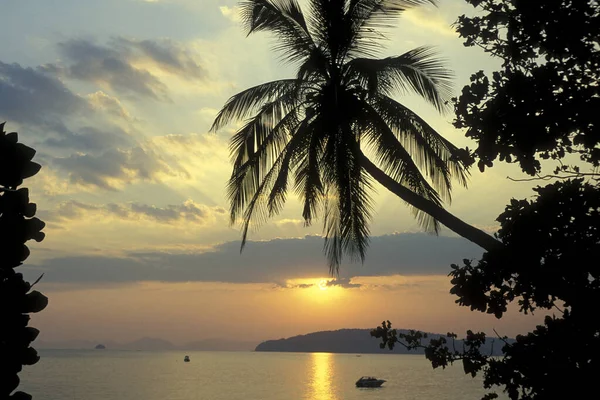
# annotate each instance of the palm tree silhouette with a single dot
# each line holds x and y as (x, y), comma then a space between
(308, 133)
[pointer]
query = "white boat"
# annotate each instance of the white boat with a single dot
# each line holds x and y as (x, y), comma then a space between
(186, 358)
(369, 382)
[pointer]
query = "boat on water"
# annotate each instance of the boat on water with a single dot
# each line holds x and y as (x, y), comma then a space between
(186, 359)
(369, 382)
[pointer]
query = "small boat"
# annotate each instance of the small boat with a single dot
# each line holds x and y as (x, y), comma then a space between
(186, 359)
(369, 382)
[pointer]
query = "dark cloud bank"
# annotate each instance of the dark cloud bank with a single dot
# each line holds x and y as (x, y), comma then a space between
(272, 261)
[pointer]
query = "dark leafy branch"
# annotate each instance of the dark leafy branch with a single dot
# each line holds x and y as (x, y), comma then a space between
(18, 225)
(548, 262)
(437, 350)
(542, 104)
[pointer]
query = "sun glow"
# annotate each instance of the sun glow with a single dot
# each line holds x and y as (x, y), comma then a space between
(322, 285)
(317, 290)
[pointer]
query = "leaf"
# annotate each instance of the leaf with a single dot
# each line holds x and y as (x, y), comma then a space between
(418, 70)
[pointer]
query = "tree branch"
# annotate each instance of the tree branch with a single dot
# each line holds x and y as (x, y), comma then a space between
(570, 175)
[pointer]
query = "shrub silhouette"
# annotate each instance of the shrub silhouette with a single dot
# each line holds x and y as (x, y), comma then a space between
(18, 225)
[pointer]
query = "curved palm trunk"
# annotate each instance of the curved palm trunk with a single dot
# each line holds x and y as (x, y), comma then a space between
(453, 223)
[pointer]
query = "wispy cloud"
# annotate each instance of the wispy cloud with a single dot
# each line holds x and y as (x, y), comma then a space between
(128, 66)
(111, 105)
(346, 283)
(167, 54)
(91, 139)
(30, 95)
(60, 118)
(231, 13)
(114, 168)
(430, 19)
(188, 211)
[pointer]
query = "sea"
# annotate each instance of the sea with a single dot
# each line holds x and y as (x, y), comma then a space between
(141, 375)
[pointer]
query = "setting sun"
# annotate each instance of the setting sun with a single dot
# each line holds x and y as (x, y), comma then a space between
(322, 285)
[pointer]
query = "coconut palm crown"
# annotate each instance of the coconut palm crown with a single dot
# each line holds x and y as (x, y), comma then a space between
(310, 133)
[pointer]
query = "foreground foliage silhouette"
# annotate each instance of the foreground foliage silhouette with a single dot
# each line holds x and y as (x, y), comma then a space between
(547, 95)
(17, 226)
(315, 128)
(543, 103)
(549, 262)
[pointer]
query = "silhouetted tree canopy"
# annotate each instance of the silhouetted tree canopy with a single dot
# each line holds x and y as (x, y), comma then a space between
(543, 103)
(552, 248)
(18, 225)
(550, 261)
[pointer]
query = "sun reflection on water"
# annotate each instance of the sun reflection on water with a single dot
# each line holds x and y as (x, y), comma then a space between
(322, 376)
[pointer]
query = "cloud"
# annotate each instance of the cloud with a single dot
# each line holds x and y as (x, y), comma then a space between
(111, 105)
(128, 66)
(91, 139)
(106, 66)
(29, 95)
(188, 211)
(231, 13)
(114, 168)
(429, 19)
(289, 223)
(41, 102)
(345, 283)
(272, 261)
(205, 158)
(167, 54)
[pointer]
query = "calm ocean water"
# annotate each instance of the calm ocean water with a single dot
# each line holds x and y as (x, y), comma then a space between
(130, 375)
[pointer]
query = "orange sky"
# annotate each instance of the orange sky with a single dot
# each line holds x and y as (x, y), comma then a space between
(184, 312)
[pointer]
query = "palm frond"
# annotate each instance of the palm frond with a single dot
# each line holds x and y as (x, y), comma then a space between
(251, 140)
(418, 70)
(285, 19)
(396, 162)
(431, 151)
(332, 229)
(347, 215)
(393, 157)
(250, 184)
(249, 169)
(248, 101)
(367, 18)
(307, 179)
(254, 150)
(329, 27)
(355, 235)
(303, 132)
(314, 68)
(254, 192)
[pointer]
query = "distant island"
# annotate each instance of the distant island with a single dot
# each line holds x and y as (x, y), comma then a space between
(351, 341)
(339, 341)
